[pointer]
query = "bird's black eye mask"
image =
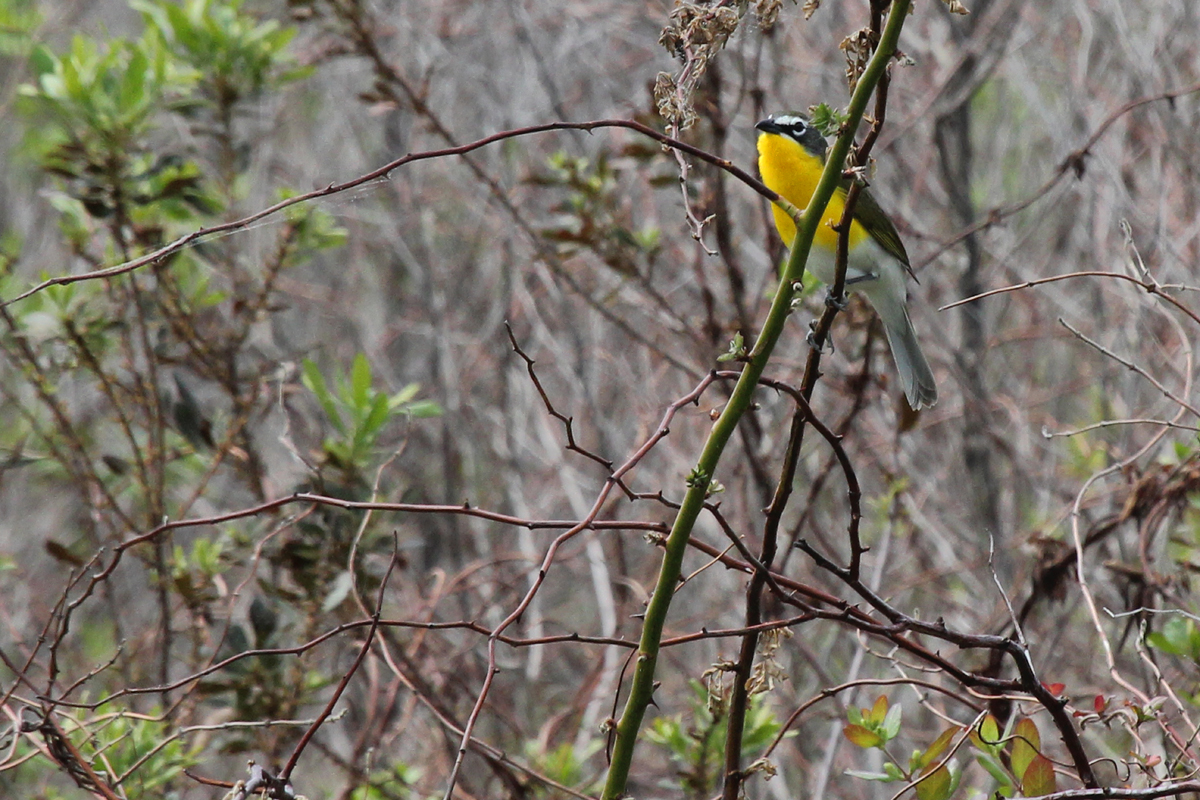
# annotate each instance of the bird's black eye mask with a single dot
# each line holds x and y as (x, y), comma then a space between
(795, 127)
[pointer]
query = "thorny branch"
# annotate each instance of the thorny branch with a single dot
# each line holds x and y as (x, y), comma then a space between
(384, 172)
(881, 620)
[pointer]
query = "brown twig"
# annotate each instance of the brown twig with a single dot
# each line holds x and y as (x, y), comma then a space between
(1075, 162)
(660, 432)
(1149, 286)
(384, 172)
(294, 758)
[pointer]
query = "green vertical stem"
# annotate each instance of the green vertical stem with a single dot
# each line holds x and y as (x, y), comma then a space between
(739, 698)
(642, 689)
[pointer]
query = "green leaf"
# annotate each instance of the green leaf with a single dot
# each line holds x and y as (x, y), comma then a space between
(994, 769)
(424, 409)
(133, 85)
(737, 348)
(404, 395)
(360, 381)
(1159, 641)
(342, 585)
(42, 61)
(881, 777)
(154, 16)
(988, 734)
(937, 785)
(935, 750)
(315, 382)
(878, 711)
(263, 621)
(1178, 636)
(376, 418)
(891, 722)
(826, 119)
(1026, 744)
(1039, 778)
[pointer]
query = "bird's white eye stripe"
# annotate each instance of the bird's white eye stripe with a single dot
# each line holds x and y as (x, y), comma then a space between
(789, 121)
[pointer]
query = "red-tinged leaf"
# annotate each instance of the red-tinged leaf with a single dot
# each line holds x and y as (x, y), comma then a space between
(1039, 778)
(1055, 689)
(878, 711)
(862, 737)
(1028, 729)
(1153, 761)
(935, 750)
(935, 786)
(1026, 744)
(1099, 702)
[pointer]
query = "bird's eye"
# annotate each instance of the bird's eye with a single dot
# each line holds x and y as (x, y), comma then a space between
(794, 126)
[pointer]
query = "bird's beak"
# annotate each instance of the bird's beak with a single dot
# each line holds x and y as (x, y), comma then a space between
(768, 125)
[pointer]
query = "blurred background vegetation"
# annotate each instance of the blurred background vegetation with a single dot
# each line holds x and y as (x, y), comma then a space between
(355, 347)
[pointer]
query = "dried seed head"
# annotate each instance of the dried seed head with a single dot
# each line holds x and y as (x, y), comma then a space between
(767, 12)
(672, 105)
(696, 32)
(858, 48)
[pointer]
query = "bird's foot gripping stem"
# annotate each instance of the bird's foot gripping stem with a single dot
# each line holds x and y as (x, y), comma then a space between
(826, 343)
(836, 301)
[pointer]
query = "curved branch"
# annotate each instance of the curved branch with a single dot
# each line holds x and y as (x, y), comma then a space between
(384, 172)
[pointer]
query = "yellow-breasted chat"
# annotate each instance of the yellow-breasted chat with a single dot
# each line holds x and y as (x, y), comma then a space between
(791, 156)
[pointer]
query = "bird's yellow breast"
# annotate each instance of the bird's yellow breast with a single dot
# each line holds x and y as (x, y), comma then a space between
(793, 172)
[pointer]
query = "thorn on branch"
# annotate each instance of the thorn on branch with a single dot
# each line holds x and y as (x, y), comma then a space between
(1076, 162)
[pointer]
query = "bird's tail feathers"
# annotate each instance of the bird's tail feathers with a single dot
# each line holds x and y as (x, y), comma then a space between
(916, 377)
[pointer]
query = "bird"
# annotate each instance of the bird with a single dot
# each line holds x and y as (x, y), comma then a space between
(791, 156)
